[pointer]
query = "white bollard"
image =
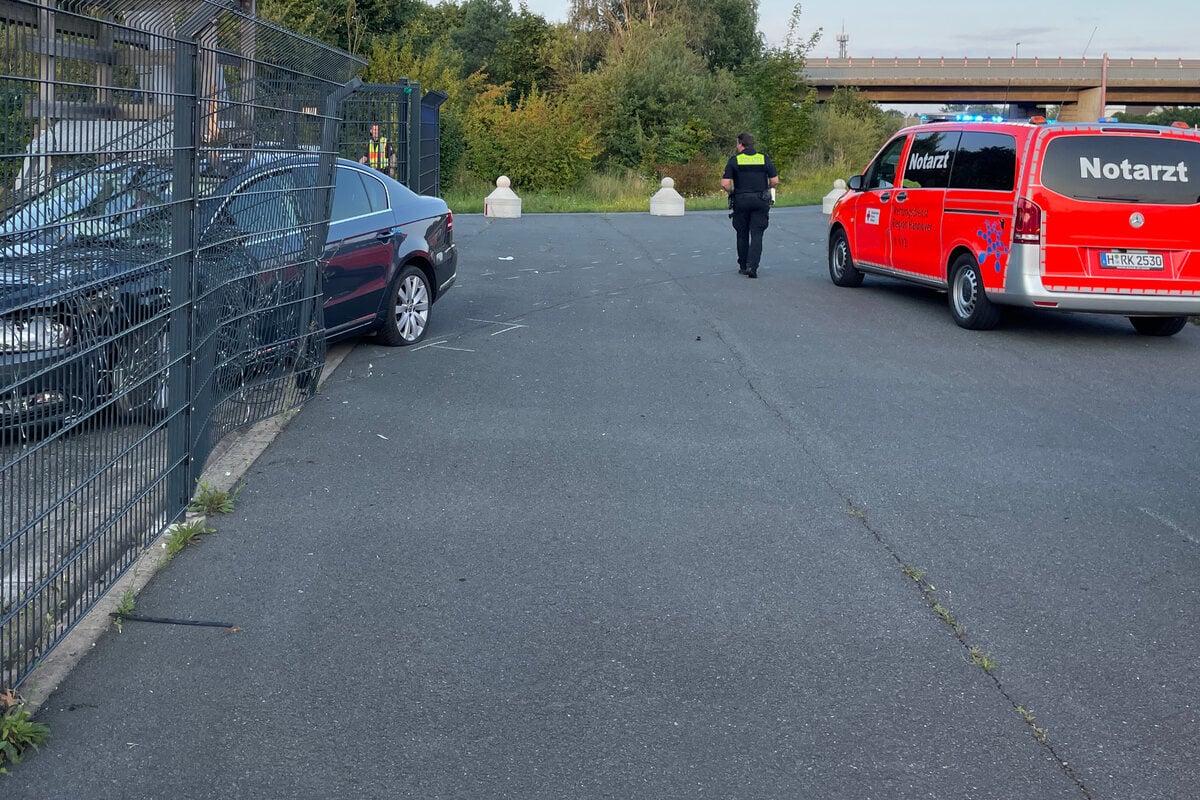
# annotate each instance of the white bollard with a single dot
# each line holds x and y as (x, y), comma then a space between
(667, 202)
(839, 189)
(503, 202)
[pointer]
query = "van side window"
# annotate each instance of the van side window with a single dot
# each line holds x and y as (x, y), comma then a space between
(882, 172)
(985, 161)
(929, 160)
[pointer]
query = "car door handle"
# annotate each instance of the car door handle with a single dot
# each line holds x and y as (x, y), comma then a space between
(885, 196)
(383, 236)
(901, 197)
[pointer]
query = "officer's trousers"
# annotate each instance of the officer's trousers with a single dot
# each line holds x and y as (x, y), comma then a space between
(751, 215)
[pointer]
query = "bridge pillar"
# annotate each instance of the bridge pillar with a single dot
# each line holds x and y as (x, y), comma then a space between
(1089, 107)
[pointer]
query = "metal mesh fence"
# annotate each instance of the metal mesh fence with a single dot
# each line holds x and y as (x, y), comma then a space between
(396, 130)
(165, 176)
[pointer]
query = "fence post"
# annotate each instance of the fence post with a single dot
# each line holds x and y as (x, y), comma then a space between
(412, 107)
(181, 378)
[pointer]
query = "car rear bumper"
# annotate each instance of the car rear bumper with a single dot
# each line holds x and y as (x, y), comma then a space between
(1026, 286)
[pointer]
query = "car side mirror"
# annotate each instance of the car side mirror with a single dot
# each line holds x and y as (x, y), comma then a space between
(855, 183)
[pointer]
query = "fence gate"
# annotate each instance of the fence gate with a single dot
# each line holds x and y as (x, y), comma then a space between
(411, 124)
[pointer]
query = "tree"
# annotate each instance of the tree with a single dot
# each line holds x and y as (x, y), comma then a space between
(351, 25)
(484, 30)
(784, 101)
(520, 59)
(724, 32)
(650, 88)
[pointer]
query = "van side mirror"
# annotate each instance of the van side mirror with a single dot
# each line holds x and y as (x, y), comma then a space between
(855, 183)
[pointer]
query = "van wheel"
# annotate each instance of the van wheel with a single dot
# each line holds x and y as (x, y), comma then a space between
(969, 303)
(1158, 326)
(841, 265)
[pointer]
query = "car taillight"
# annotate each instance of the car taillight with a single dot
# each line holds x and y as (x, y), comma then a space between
(1028, 225)
(449, 220)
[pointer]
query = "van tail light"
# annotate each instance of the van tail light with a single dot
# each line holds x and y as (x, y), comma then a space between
(449, 220)
(1027, 228)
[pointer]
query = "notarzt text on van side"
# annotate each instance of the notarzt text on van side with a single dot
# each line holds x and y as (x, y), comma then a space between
(1168, 173)
(929, 161)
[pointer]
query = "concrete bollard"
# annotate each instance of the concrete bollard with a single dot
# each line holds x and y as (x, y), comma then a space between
(839, 189)
(667, 202)
(503, 202)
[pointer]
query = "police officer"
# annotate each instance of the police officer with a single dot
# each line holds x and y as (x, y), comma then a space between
(749, 177)
(380, 153)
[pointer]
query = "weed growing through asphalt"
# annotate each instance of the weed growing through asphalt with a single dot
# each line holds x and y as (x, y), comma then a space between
(210, 500)
(124, 609)
(981, 659)
(18, 734)
(184, 534)
(1027, 715)
(913, 573)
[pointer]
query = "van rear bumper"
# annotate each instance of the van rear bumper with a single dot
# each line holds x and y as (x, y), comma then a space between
(1024, 287)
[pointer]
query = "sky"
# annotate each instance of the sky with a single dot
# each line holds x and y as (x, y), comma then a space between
(1166, 29)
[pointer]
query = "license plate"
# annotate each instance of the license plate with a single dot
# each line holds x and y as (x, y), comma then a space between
(1131, 260)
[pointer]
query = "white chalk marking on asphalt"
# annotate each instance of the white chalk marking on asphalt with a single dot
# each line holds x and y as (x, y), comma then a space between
(431, 344)
(506, 330)
(1169, 524)
(381, 436)
(492, 321)
(455, 349)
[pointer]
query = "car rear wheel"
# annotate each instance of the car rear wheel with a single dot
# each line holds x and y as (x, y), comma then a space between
(969, 303)
(841, 265)
(1158, 326)
(406, 317)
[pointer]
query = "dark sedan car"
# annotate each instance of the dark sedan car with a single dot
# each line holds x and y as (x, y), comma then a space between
(84, 276)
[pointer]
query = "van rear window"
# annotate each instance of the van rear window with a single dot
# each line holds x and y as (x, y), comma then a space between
(1124, 169)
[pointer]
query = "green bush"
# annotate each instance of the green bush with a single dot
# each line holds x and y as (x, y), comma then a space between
(539, 145)
(844, 140)
(697, 177)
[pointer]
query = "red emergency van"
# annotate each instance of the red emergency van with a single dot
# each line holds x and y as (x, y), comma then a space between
(1098, 217)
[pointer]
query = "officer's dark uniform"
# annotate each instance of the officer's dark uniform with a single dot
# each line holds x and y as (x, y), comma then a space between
(751, 173)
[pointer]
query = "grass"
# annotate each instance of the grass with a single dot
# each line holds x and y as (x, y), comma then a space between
(184, 534)
(209, 500)
(600, 193)
(1027, 715)
(124, 608)
(982, 660)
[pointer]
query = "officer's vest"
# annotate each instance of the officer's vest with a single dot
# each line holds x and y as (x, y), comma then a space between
(751, 174)
(377, 154)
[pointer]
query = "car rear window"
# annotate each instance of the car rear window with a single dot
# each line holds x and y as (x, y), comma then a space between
(1124, 168)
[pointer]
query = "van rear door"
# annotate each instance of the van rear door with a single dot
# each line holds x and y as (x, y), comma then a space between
(1121, 210)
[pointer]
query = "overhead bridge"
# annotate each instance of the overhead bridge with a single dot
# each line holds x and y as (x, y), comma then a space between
(1081, 87)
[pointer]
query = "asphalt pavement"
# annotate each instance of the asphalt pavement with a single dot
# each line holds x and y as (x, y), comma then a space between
(630, 525)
